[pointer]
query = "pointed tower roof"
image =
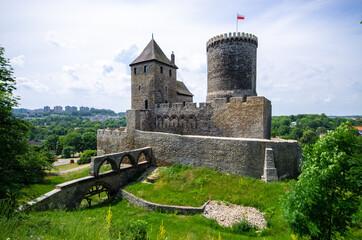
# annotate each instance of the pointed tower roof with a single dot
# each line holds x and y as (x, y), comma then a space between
(153, 52)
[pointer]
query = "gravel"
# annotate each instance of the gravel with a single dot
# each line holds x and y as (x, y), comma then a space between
(228, 214)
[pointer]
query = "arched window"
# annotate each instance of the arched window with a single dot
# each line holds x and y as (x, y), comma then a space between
(146, 104)
(135, 71)
(145, 69)
(161, 69)
(170, 72)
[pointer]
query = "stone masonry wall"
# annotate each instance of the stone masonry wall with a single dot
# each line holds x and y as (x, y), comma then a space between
(240, 117)
(240, 156)
(231, 66)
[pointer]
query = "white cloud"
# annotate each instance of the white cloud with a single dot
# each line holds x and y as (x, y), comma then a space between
(18, 61)
(64, 42)
(24, 83)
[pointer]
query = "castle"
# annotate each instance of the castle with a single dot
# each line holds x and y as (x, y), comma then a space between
(230, 131)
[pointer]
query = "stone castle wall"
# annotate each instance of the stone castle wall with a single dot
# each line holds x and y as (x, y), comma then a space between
(240, 117)
(242, 156)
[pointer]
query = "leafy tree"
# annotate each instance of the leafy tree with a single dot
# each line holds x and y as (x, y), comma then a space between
(86, 156)
(309, 137)
(19, 163)
(51, 142)
(73, 139)
(323, 202)
(89, 141)
(68, 151)
(13, 132)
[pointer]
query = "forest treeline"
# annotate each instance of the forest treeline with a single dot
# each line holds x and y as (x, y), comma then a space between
(307, 128)
(66, 135)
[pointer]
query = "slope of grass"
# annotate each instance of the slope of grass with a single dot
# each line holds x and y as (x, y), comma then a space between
(48, 184)
(178, 185)
(190, 186)
(91, 224)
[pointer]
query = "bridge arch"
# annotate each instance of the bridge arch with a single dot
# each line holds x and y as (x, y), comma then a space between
(100, 189)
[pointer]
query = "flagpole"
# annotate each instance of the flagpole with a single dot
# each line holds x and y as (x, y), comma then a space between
(237, 28)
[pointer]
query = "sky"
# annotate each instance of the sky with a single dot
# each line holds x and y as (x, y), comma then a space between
(77, 53)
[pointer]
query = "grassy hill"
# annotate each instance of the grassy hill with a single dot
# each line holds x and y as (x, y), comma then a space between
(177, 185)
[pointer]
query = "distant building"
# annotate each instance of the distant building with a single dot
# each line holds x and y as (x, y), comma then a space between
(46, 109)
(359, 129)
(73, 109)
(58, 109)
(84, 108)
(40, 110)
(20, 110)
(67, 108)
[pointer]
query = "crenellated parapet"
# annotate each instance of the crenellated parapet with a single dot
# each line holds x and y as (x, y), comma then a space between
(245, 37)
(111, 131)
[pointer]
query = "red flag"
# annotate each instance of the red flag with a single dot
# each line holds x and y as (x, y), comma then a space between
(240, 16)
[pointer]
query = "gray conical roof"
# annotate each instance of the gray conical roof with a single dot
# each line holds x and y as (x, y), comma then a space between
(153, 52)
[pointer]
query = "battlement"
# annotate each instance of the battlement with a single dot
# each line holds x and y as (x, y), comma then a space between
(215, 102)
(110, 131)
(186, 105)
(246, 37)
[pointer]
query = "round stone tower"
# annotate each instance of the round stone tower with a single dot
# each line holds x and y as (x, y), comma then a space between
(231, 66)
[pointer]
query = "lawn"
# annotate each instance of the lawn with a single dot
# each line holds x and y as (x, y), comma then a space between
(65, 167)
(178, 185)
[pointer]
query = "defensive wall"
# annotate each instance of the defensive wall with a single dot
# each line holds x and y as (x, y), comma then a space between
(241, 156)
(70, 194)
(227, 117)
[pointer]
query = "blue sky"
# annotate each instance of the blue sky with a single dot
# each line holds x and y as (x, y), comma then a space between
(77, 52)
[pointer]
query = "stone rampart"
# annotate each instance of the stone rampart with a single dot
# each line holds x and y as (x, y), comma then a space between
(160, 207)
(227, 117)
(241, 156)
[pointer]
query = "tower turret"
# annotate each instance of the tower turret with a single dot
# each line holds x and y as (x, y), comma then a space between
(153, 78)
(231, 66)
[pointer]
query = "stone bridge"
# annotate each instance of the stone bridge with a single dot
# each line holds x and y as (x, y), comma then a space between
(71, 194)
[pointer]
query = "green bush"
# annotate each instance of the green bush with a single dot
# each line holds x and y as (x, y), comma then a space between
(86, 156)
(131, 230)
(242, 226)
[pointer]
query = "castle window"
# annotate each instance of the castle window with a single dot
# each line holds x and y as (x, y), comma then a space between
(166, 101)
(135, 71)
(146, 104)
(161, 69)
(166, 88)
(145, 69)
(170, 73)
(139, 88)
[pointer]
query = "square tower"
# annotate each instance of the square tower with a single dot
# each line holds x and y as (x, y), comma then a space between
(153, 78)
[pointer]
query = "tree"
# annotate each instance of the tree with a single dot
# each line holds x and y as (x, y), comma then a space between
(323, 202)
(13, 132)
(89, 141)
(73, 139)
(68, 151)
(51, 142)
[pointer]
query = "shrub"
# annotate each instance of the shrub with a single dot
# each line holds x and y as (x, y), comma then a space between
(243, 226)
(86, 156)
(131, 230)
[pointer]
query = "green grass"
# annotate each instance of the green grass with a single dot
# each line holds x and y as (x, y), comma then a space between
(91, 224)
(190, 186)
(65, 167)
(178, 185)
